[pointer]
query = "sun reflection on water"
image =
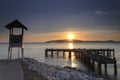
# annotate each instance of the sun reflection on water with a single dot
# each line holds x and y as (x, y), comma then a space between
(73, 61)
(70, 46)
(73, 58)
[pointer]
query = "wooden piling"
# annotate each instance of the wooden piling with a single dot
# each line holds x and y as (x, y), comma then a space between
(46, 53)
(63, 53)
(69, 54)
(57, 53)
(93, 65)
(115, 67)
(113, 53)
(99, 68)
(52, 53)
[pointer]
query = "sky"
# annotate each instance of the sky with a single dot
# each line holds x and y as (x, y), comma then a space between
(55, 19)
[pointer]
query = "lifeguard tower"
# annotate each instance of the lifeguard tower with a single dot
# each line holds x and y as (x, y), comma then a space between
(15, 40)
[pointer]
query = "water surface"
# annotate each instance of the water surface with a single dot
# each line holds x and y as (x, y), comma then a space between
(37, 51)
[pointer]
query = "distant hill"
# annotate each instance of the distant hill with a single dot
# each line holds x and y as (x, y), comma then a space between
(75, 41)
(62, 41)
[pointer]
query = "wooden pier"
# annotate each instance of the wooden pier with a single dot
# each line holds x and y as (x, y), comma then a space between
(89, 56)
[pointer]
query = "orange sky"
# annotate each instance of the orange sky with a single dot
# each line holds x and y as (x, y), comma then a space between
(79, 35)
(87, 35)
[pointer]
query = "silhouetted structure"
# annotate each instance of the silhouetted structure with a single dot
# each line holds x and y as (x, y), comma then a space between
(89, 56)
(15, 40)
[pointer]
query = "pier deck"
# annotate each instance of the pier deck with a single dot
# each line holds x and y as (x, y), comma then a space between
(89, 56)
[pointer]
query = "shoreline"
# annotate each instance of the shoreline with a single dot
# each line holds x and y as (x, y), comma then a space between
(34, 70)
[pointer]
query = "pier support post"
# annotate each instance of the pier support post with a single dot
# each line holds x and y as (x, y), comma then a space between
(78, 55)
(93, 65)
(69, 54)
(113, 53)
(105, 68)
(63, 53)
(46, 53)
(115, 66)
(82, 57)
(52, 53)
(99, 68)
(57, 53)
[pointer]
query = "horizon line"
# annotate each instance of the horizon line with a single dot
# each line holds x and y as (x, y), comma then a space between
(69, 41)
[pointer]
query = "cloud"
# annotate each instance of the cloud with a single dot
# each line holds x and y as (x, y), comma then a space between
(103, 12)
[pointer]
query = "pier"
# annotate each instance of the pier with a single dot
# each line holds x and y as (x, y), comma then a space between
(90, 57)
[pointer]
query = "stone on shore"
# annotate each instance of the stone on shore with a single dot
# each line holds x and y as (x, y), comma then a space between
(35, 70)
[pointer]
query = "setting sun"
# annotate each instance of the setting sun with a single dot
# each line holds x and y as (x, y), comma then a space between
(70, 36)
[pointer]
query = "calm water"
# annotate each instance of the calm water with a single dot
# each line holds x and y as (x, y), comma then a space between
(37, 51)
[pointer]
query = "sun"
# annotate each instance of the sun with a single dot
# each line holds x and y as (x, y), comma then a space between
(70, 37)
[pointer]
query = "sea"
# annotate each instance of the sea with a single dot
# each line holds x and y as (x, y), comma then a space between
(37, 51)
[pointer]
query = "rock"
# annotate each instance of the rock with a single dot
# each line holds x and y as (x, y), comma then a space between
(63, 75)
(42, 71)
(76, 76)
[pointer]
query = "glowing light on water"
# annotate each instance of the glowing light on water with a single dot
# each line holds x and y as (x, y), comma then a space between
(70, 46)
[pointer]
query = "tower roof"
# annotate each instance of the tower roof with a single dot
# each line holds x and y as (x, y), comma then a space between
(15, 24)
